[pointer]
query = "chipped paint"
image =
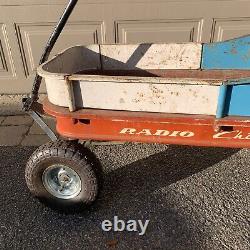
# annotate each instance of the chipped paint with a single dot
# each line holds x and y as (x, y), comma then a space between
(151, 56)
(167, 98)
(149, 127)
(152, 77)
(231, 54)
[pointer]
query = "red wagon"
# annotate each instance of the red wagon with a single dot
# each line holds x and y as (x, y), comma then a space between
(187, 94)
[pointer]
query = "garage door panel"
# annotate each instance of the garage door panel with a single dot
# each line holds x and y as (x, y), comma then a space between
(32, 38)
(7, 68)
(228, 28)
(159, 31)
(26, 25)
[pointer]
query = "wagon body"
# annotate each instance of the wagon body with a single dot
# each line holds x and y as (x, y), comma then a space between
(190, 78)
(195, 94)
(190, 94)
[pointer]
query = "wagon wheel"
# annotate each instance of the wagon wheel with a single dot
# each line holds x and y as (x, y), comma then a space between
(64, 175)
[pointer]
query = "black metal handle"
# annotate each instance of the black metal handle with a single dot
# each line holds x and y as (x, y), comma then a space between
(27, 102)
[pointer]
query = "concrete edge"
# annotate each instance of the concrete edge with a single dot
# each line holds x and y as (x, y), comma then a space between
(12, 104)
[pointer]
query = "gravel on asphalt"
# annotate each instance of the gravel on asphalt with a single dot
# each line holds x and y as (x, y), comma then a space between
(195, 198)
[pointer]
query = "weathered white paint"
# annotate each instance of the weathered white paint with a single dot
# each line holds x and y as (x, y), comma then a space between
(152, 94)
(151, 56)
(70, 95)
(72, 61)
(57, 91)
(136, 79)
(157, 132)
(147, 96)
(236, 134)
(167, 98)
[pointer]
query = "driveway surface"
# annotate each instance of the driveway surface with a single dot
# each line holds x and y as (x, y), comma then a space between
(195, 198)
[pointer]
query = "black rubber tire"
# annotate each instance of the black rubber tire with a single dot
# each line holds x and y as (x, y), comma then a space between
(73, 155)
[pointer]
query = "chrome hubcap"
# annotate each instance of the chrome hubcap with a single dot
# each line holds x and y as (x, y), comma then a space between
(62, 181)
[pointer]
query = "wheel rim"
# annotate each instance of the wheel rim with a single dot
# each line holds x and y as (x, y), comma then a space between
(62, 181)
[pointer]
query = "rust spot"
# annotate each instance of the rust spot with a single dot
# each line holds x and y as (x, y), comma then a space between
(136, 100)
(234, 51)
(155, 90)
(122, 100)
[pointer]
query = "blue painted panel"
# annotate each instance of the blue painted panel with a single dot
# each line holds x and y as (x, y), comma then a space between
(231, 54)
(222, 101)
(238, 100)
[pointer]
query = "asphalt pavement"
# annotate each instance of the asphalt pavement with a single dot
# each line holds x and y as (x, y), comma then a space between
(195, 198)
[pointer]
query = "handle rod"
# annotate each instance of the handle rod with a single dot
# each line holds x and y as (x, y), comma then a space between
(47, 50)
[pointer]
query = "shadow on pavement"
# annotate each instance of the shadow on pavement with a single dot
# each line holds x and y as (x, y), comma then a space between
(130, 192)
(163, 169)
